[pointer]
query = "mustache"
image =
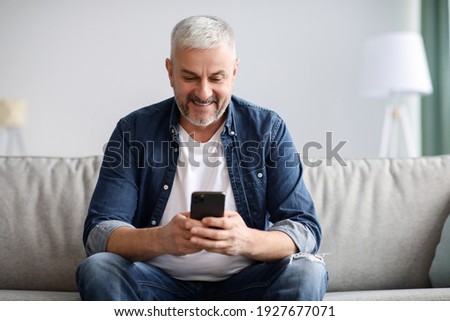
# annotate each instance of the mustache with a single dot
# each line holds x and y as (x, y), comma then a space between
(209, 100)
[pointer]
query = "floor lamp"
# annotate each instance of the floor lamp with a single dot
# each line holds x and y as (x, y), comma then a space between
(13, 118)
(395, 65)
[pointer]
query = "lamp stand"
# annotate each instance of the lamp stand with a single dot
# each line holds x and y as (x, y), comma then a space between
(395, 118)
(10, 137)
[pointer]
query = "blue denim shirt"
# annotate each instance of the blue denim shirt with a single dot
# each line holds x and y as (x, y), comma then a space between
(140, 162)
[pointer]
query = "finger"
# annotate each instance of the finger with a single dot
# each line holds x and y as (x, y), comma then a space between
(190, 223)
(217, 222)
(185, 242)
(183, 221)
(179, 220)
(209, 244)
(185, 214)
(209, 233)
(230, 214)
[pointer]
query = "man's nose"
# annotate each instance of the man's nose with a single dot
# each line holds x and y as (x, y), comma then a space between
(204, 90)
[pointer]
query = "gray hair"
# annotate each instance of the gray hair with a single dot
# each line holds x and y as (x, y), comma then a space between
(201, 32)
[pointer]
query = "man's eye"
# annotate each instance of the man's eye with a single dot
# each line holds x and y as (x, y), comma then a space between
(216, 79)
(189, 78)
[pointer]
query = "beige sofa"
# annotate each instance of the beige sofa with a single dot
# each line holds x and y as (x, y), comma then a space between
(381, 218)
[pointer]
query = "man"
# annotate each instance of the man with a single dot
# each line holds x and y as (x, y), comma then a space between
(139, 237)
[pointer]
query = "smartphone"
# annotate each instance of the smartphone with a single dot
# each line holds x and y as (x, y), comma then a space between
(205, 204)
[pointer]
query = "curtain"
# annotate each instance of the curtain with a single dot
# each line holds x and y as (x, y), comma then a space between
(436, 107)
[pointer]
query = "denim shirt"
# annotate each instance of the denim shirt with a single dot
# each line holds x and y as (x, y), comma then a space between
(140, 162)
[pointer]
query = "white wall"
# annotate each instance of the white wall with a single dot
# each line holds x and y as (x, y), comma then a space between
(83, 64)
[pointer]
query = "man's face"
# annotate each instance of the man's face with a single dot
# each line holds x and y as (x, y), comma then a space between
(202, 80)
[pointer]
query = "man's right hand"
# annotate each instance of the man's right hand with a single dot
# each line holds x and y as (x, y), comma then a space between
(142, 244)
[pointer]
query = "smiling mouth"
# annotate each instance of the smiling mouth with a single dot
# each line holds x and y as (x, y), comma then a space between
(203, 103)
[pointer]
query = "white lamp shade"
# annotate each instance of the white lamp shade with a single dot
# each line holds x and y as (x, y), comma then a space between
(395, 63)
(13, 113)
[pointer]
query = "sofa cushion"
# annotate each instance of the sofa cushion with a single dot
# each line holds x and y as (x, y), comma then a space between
(428, 294)
(43, 205)
(440, 268)
(25, 295)
(381, 219)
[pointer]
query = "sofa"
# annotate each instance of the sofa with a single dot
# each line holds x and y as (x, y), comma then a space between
(381, 218)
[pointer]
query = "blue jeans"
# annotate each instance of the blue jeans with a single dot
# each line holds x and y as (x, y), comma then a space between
(107, 276)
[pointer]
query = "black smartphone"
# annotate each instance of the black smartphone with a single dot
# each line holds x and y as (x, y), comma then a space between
(205, 204)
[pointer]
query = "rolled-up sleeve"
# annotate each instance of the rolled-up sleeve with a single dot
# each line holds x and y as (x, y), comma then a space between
(300, 234)
(99, 235)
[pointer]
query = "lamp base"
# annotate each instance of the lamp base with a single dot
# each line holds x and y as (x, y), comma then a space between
(10, 137)
(395, 118)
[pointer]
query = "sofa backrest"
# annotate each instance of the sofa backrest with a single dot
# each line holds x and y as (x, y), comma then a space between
(43, 204)
(381, 219)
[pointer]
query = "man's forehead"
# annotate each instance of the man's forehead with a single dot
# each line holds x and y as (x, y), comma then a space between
(213, 73)
(198, 61)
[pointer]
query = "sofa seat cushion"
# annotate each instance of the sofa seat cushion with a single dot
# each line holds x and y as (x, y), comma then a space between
(427, 294)
(15, 295)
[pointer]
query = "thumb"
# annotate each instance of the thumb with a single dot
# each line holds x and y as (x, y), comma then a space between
(185, 214)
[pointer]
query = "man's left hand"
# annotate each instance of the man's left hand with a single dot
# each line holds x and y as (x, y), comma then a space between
(226, 235)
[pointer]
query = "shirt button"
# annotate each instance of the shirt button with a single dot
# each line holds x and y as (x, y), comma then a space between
(153, 222)
(232, 133)
(166, 187)
(260, 175)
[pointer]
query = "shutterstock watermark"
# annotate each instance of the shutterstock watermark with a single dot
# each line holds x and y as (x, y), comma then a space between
(331, 152)
(247, 154)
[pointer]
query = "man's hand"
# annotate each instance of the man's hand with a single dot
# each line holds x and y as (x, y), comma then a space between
(226, 235)
(142, 244)
(176, 235)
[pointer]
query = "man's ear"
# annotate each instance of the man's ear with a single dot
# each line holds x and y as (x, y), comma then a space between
(236, 65)
(169, 71)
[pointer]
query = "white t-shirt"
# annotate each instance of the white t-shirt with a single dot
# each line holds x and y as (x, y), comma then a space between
(201, 167)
